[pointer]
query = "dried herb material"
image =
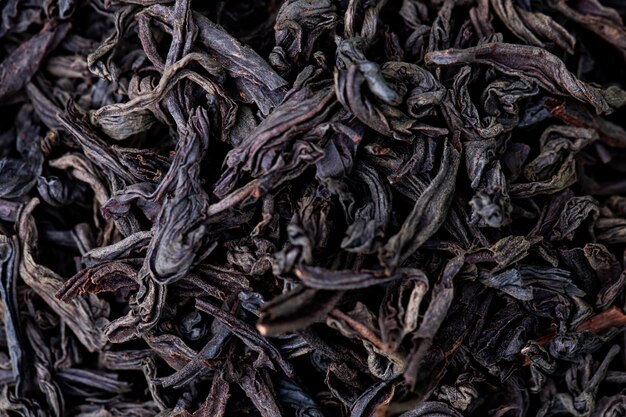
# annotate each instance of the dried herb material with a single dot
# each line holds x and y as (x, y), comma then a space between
(310, 208)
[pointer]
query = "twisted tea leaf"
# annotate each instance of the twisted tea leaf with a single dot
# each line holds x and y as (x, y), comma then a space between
(535, 65)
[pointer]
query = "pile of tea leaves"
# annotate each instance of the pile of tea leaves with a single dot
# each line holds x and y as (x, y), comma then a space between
(308, 208)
